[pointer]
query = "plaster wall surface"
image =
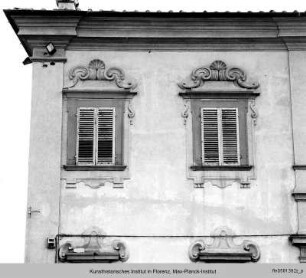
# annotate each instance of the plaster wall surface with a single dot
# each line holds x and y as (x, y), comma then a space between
(175, 250)
(44, 161)
(158, 200)
(298, 83)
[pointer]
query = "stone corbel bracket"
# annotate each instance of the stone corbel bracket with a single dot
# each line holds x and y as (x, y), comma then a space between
(223, 249)
(218, 71)
(94, 250)
(299, 240)
(96, 71)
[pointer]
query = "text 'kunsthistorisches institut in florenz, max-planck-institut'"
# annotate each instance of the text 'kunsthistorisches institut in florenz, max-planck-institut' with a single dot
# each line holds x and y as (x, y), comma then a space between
(165, 137)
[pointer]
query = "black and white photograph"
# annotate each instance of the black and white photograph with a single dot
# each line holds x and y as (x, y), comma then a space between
(166, 132)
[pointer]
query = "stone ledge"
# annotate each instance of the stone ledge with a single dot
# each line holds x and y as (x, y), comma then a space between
(222, 168)
(94, 168)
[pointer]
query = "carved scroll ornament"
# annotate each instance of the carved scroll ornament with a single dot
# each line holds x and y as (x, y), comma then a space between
(223, 249)
(94, 250)
(131, 113)
(96, 70)
(185, 113)
(218, 71)
(254, 113)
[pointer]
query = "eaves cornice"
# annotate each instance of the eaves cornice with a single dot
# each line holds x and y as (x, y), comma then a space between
(83, 30)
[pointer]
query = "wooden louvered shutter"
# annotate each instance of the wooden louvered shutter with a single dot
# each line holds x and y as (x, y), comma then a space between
(220, 136)
(85, 136)
(105, 153)
(230, 136)
(210, 136)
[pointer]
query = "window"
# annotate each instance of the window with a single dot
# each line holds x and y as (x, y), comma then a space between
(95, 133)
(219, 133)
(220, 136)
(220, 118)
(98, 116)
(95, 136)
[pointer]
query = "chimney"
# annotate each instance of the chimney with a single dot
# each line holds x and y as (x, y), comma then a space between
(67, 4)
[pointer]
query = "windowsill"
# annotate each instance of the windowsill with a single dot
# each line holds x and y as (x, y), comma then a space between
(222, 168)
(94, 168)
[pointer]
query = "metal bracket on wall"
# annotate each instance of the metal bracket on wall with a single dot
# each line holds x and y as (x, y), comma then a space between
(51, 242)
(30, 211)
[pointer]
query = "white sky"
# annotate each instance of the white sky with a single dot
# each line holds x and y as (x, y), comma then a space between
(16, 97)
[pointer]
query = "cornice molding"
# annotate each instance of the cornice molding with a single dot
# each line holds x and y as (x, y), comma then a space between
(299, 167)
(158, 31)
(48, 59)
(298, 239)
(98, 93)
(176, 44)
(41, 55)
(299, 196)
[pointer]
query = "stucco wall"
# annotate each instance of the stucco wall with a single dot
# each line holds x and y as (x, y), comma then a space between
(44, 161)
(158, 200)
(298, 82)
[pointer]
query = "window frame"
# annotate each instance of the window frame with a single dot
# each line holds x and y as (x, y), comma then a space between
(100, 83)
(219, 175)
(95, 140)
(218, 82)
(242, 106)
(95, 98)
(220, 136)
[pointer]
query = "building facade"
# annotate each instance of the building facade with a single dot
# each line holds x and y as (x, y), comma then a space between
(165, 137)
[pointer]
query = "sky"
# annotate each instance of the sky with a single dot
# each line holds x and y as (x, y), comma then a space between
(15, 109)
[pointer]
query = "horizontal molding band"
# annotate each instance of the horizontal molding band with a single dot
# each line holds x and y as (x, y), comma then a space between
(154, 30)
(94, 168)
(98, 93)
(298, 239)
(167, 236)
(48, 59)
(218, 94)
(299, 196)
(299, 167)
(222, 168)
(162, 14)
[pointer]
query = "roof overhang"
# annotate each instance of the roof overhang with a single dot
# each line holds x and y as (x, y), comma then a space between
(108, 30)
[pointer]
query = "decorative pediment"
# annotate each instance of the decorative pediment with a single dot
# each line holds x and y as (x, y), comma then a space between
(94, 250)
(96, 71)
(218, 71)
(223, 249)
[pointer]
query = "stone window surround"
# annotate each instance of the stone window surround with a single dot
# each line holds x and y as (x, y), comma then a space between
(96, 82)
(218, 83)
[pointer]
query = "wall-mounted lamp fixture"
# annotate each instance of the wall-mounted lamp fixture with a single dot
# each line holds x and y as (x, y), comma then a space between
(50, 48)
